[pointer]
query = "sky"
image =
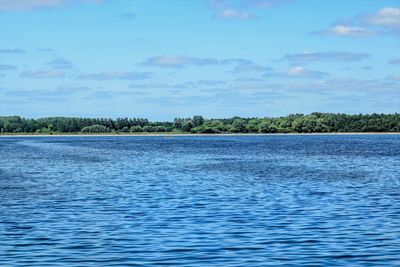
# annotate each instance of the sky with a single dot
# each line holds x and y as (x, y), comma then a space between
(162, 59)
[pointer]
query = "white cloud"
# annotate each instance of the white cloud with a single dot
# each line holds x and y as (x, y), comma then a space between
(297, 72)
(115, 75)
(149, 86)
(226, 9)
(15, 5)
(42, 74)
(363, 85)
(28, 4)
(250, 67)
(388, 16)
(234, 14)
(383, 21)
(169, 61)
(218, 4)
(60, 63)
(265, 3)
(179, 61)
(200, 83)
(326, 56)
(349, 31)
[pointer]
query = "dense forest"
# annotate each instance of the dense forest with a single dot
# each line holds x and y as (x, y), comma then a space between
(295, 123)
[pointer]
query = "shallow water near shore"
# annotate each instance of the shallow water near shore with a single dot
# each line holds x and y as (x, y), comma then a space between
(295, 200)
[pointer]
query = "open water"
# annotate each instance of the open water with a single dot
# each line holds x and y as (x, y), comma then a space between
(284, 200)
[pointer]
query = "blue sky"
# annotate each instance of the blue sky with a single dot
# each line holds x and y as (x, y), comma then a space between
(163, 59)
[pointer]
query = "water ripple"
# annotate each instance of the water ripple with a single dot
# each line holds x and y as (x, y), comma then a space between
(200, 201)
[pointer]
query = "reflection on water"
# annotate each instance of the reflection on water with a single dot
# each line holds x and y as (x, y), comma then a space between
(200, 201)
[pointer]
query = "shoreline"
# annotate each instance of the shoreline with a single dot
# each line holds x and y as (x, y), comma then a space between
(191, 134)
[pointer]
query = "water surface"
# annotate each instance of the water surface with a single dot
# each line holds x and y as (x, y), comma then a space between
(330, 200)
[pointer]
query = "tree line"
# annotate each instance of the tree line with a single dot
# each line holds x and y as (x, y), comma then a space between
(295, 123)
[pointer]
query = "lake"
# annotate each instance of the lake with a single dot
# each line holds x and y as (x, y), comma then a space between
(284, 200)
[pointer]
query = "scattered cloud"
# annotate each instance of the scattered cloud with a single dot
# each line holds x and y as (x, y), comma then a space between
(233, 14)
(388, 16)
(394, 61)
(248, 79)
(19, 5)
(12, 51)
(59, 94)
(69, 89)
(383, 21)
(216, 4)
(250, 67)
(326, 56)
(178, 61)
(42, 74)
(297, 72)
(241, 10)
(344, 31)
(236, 61)
(28, 4)
(262, 85)
(361, 85)
(265, 3)
(149, 86)
(200, 83)
(185, 85)
(7, 67)
(389, 85)
(60, 63)
(365, 68)
(116, 75)
(300, 71)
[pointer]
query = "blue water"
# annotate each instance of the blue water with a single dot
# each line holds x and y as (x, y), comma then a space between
(320, 200)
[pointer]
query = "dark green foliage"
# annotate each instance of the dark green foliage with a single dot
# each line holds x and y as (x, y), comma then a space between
(267, 126)
(197, 121)
(238, 126)
(295, 123)
(136, 129)
(125, 129)
(187, 126)
(95, 129)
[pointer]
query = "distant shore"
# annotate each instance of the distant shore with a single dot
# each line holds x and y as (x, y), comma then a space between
(315, 123)
(169, 134)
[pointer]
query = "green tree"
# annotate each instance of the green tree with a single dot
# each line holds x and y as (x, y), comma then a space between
(252, 126)
(267, 126)
(136, 129)
(187, 126)
(238, 126)
(95, 129)
(197, 121)
(125, 129)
